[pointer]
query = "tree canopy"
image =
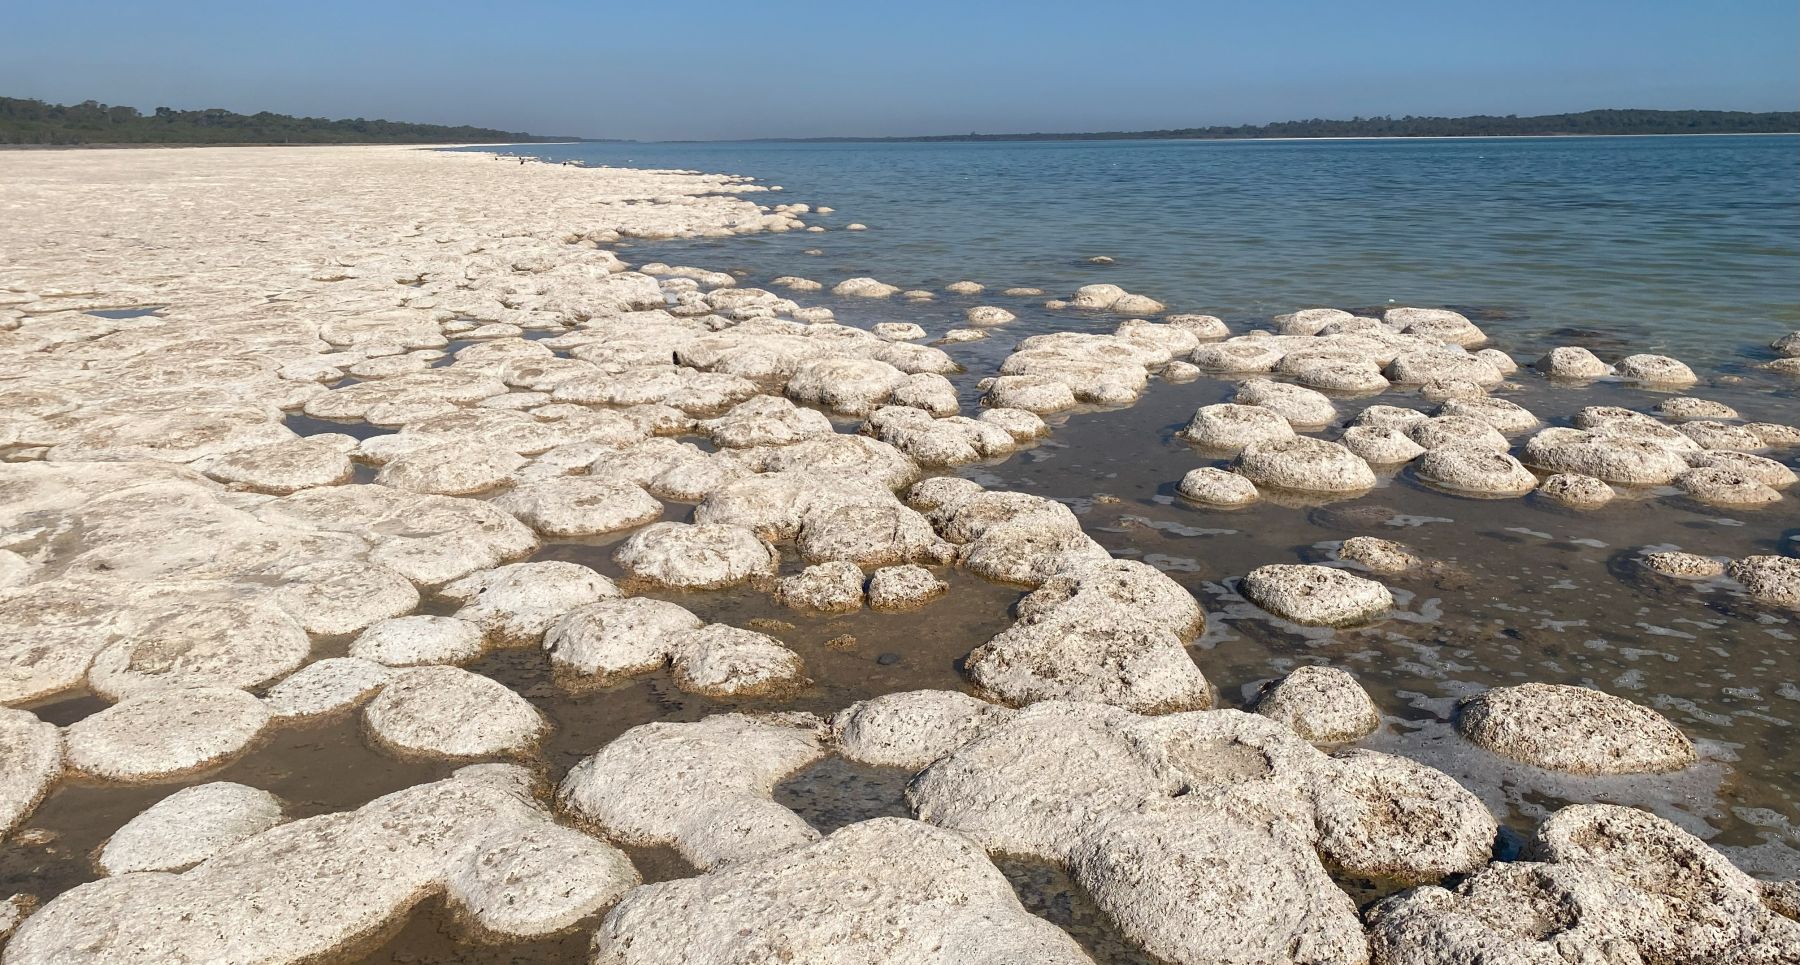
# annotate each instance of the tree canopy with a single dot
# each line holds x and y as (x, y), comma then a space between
(91, 122)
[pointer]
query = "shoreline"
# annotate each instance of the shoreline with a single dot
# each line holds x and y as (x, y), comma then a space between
(408, 439)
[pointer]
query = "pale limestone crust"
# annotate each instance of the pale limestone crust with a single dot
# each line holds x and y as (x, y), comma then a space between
(1474, 470)
(906, 587)
(1324, 705)
(578, 505)
(1575, 729)
(451, 713)
(285, 467)
(430, 540)
(696, 556)
(326, 687)
(1576, 490)
(1316, 595)
(418, 640)
(165, 733)
(1217, 487)
(1379, 555)
(339, 597)
(1684, 566)
(1298, 405)
(867, 536)
(31, 759)
(832, 587)
(450, 469)
(613, 639)
(234, 642)
(1305, 464)
(1086, 784)
(725, 661)
(1606, 884)
(1719, 486)
(540, 880)
(1381, 445)
(1282, 905)
(1230, 427)
(1457, 430)
(884, 890)
(1656, 370)
(188, 827)
(308, 889)
(1572, 362)
(515, 604)
(910, 730)
(706, 787)
(1769, 579)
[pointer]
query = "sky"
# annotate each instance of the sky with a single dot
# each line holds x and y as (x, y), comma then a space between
(703, 69)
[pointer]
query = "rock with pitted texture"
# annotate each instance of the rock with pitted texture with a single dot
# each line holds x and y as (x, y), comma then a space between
(165, 733)
(31, 759)
(448, 712)
(1217, 487)
(1229, 428)
(578, 505)
(1324, 705)
(1574, 729)
(1316, 595)
(516, 603)
(188, 827)
(696, 556)
(1572, 362)
(907, 587)
(883, 890)
(1769, 579)
(707, 787)
(831, 587)
(1577, 491)
(1304, 464)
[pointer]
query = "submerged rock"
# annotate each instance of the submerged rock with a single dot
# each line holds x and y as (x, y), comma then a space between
(1575, 729)
(1316, 595)
(188, 827)
(884, 890)
(1324, 705)
(1380, 555)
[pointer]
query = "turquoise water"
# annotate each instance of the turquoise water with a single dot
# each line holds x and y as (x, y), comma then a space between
(1685, 245)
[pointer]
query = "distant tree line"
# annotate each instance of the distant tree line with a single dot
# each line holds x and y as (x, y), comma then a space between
(91, 122)
(1479, 125)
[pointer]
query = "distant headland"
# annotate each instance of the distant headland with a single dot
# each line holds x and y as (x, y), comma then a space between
(1595, 122)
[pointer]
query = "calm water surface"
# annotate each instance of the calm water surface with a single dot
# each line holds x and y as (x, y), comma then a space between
(1686, 245)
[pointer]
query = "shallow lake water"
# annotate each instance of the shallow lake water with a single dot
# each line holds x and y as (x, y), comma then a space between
(1519, 589)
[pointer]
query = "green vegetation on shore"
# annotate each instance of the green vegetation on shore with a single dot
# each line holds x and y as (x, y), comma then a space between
(1479, 125)
(90, 122)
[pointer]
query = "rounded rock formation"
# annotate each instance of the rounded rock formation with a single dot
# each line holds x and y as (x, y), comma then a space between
(1574, 729)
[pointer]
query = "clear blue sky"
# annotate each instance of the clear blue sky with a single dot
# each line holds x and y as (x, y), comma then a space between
(704, 69)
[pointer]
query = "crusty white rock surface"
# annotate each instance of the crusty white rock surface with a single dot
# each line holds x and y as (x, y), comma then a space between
(31, 759)
(1574, 729)
(1324, 705)
(188, 827)
(706, 787)
(452, 713)
(884, 890)
(165, 733)
(1316, 595)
